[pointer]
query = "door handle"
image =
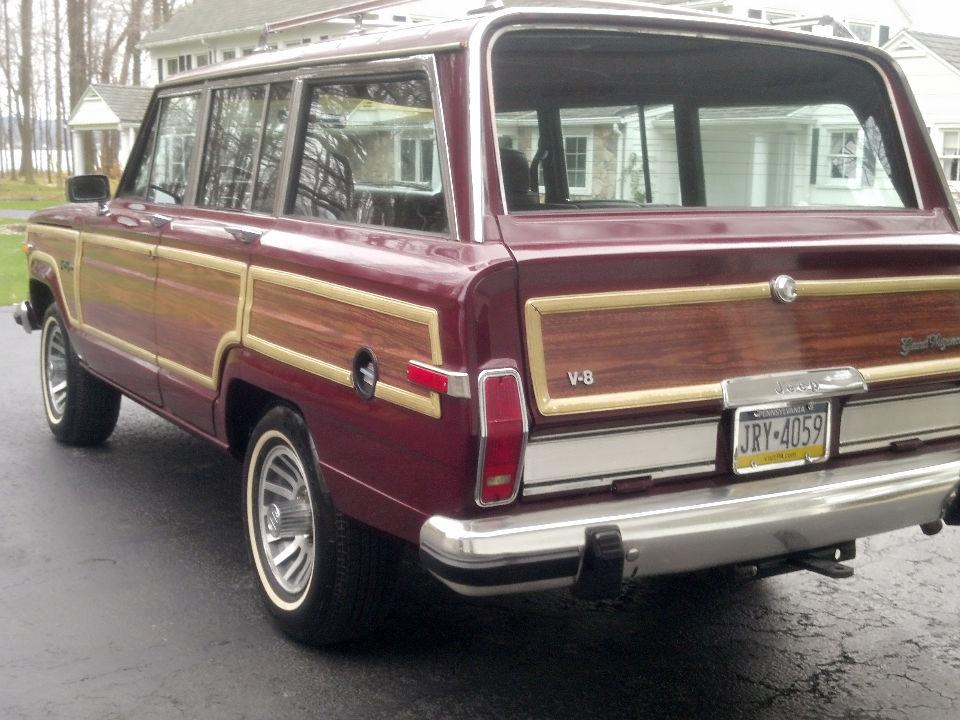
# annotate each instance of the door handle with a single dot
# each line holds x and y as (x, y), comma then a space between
(158, 220)
(246, 235)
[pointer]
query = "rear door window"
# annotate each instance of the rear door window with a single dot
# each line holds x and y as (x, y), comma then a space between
(243, 147)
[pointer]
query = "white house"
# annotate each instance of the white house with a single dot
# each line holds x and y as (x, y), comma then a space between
(932, 64)
(869, 21)
(211, 31)
(112, 113)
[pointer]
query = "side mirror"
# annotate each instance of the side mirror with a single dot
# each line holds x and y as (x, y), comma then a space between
(88, 188)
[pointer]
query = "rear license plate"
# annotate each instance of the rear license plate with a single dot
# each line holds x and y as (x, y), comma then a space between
(780, 435)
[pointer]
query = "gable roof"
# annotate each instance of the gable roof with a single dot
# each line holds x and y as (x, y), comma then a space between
(203, 18)
(128, 102)
(946, 46)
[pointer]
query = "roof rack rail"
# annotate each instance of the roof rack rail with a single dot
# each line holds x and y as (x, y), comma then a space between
(355, 10)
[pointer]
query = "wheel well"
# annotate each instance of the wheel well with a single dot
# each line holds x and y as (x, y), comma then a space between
(40, 297)
(246, 404)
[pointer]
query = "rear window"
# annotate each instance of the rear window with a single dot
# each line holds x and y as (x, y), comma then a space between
(599, 121)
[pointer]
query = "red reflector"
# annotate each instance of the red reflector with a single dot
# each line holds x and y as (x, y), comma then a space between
(502, 447)
(428, 378)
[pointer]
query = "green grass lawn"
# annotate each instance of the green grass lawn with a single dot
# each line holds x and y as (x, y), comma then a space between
(13, 264)
(17, 195)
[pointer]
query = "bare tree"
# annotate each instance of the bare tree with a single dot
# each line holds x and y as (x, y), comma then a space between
(58, 86)
(6, 66)
(26, 90)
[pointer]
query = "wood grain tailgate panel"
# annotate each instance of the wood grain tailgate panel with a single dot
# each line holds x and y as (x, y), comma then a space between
(691, 347)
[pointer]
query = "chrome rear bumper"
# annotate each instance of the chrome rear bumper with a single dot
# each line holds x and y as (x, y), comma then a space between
(695, 529)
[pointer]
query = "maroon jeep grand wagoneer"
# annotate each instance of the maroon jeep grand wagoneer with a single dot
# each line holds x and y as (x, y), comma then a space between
(561, 297)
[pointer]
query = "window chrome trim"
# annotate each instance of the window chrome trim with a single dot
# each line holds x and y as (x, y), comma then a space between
(480, 60)
(481, 455)
(585, 460)
(873, 423)
(294, 120)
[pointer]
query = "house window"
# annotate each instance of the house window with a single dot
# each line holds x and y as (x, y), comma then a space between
(575, 149)
(159, 70)
(844, 151)
(229, 54)
(951, 155)
(755, 14)
(861, 31)
(246, 51)
(203, 59)
(184, 62)
(171, 67)
(415, 161)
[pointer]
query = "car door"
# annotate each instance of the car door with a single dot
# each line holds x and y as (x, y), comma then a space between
(117, 271)
(204, 252)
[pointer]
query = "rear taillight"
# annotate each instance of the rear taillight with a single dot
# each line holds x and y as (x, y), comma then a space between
(503, 435)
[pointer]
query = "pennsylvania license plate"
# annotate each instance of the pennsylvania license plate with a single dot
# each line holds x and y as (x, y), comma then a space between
(780, 435)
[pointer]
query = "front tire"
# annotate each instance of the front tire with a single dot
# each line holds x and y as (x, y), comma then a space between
(81, 409)
(324, 577)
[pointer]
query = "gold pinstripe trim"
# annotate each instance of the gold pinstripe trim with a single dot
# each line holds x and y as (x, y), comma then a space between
(536, 308)
(229, 339)
(131, 246)
(240, 334)
(429, 317)
(42, 257)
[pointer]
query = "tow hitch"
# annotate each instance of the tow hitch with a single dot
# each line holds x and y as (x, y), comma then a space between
(826, 561)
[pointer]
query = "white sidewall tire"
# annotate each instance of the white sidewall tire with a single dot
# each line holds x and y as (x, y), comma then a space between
(253, 472)
(45, 386)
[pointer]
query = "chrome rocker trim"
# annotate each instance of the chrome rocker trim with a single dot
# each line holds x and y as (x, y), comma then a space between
(695, 529)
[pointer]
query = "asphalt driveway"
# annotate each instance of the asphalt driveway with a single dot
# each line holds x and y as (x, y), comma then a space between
(125, 593)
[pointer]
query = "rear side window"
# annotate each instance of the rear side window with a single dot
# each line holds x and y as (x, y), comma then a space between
(368, 155)
(243, 147)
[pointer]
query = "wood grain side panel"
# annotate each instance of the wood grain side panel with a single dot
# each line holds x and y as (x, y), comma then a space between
(321, 331)
(117, 291)
(197, 314)
(59, 244)
(653, 355)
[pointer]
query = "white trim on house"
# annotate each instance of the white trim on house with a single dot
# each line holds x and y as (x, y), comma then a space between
(923, 49)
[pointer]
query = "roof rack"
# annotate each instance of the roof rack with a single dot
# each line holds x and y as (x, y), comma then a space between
(355, 10)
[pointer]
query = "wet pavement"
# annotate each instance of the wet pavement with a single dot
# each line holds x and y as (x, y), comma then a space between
(125, 593)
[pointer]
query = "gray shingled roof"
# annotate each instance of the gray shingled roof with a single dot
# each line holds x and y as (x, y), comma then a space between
(128, 103)
(211, 17)
(946, 46)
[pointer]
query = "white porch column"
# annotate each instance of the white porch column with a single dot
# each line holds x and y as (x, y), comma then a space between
(79, 161)
(127, 136)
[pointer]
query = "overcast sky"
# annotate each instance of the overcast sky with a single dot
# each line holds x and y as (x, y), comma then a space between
(941, 16)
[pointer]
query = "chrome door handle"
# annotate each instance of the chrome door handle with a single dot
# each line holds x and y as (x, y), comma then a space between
(246, 235)
(158, 220)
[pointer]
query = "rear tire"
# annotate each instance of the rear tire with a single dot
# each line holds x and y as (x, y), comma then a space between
(81, 409)
(324, 577)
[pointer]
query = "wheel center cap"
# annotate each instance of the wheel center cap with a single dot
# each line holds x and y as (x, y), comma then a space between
(273, 520)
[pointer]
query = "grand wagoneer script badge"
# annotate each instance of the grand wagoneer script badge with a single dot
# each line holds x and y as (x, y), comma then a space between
(935, 341)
